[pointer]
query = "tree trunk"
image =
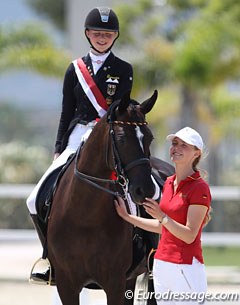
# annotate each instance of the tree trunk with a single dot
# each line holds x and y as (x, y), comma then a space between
(188, 113)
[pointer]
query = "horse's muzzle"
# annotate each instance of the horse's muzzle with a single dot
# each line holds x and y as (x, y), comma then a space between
(139, 193)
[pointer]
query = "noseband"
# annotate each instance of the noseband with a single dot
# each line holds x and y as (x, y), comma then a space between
(121, 171)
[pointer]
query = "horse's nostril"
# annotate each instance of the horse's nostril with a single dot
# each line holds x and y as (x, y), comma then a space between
(139, 192)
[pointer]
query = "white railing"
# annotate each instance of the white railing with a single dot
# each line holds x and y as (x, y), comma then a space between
(15, 191)
(211, 239)
(21, 191)
(219, 193)
(224, 193)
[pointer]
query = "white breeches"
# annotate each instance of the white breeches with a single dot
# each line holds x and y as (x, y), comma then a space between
(179, 284)
(79, 134)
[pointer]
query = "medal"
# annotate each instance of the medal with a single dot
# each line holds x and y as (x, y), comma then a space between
(111, 89)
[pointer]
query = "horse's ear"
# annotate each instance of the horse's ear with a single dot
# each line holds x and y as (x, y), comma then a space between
(147, 105)
(124, 103)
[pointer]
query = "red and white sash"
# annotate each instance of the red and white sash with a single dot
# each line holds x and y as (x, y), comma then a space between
(90, 88)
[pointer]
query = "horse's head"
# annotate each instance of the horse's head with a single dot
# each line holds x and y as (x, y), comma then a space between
(131, 139)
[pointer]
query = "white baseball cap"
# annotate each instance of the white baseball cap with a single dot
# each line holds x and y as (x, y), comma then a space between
(188, 135)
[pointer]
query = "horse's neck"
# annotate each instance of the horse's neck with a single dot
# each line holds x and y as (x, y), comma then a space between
(94, 155)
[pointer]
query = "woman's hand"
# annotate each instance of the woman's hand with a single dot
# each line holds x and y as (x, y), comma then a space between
(152, 208)
(121, 208)
(151, 225)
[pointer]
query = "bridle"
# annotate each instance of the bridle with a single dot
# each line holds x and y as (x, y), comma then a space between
(121, 171)
(118, 166)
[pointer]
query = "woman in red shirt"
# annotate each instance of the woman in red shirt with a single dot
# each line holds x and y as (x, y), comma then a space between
(178, 269)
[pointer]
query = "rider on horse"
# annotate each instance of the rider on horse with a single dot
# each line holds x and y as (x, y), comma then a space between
(90, 85)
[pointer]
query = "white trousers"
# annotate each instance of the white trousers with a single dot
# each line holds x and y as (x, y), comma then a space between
(179, 284)
(79, 134)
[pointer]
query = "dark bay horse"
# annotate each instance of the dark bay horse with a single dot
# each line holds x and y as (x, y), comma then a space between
(87, 241)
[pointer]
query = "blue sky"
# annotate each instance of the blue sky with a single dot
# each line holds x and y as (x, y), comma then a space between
(16, 11)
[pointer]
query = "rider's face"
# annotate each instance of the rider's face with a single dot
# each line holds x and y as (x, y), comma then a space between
(101, 40)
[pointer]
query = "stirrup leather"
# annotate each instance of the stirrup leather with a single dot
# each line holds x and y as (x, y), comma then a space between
(44, 264)
(149, 267)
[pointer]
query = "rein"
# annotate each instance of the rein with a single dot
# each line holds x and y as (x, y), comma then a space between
(122, 180)
(93, 180)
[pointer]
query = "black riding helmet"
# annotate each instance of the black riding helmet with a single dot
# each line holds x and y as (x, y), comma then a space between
(102, 19)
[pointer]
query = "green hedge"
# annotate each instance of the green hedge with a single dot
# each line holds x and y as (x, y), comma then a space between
(221, 256)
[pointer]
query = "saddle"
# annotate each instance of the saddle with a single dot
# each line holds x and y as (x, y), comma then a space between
(47, 190)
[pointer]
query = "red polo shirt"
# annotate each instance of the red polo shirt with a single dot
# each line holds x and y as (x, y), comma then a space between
(191, 191)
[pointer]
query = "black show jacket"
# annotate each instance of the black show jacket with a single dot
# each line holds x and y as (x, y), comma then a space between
(113, 79)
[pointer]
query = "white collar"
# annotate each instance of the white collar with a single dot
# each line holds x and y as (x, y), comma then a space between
(98, 59)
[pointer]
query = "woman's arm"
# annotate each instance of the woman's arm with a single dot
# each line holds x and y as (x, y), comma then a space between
(151, 225)
(188, 232)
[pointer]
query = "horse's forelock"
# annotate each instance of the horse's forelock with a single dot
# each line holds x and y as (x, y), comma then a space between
(133, 111)
(111, 111)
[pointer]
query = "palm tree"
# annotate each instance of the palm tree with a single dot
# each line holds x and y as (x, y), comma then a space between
(189, 52)
(28, 47)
